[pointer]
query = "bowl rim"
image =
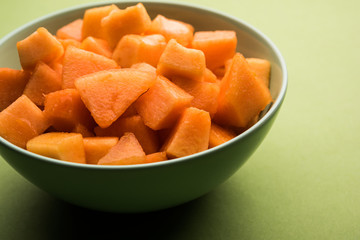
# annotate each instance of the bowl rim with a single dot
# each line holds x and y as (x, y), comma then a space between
(254, 31)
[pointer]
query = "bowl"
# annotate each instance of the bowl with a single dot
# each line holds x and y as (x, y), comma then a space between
(154, 186)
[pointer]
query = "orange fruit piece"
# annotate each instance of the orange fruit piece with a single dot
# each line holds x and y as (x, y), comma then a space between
(39, 46)
(190, 135)
(107, 94)
(71, 30)
(97, 147)
(242, 96)
(12, 84)
(127, 151)
(21, 121)
(162, 104)
(59, 145)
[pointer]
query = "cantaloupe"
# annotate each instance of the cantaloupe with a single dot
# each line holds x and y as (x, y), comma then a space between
(219, 135)
(96, 45)
(64, 110)
(218, 46)
(205, 93)
(39, 46)
(162, 104)
(44, 80)
(179, 61)
(59, 145)
(242, 96)
(21, 121)
(147, 137)
(12, 84)
(172, 29)
(127, 151)
(155, 157)
(98, 147)
(261, 67)
(107, 94)
(71, 30)
(78, 62)
(119, 22)
(190, 135)
(133, 48)
(91, 26)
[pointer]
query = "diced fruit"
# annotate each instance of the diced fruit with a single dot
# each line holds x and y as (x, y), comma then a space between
(92, 21)
(39, 46)
(133, 48)
(242, 96)
(172, 29)
(71, 30)
(219, 135)
(59, 145)
(179, 61)
(155, 157)
(205, 93)
(44, 80)
(96, 45)
(12, 84)
(127, 151)
(218, 46)
(22, 121)
(147, 137)
(261, 67)
(119, 22)
(190, 135)
(162, 104)
(78, 62)
(107, 94)
(64, 109)
(98, 147)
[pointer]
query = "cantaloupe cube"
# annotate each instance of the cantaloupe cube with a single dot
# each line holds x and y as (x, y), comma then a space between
(133, 48)
(205, 93)
(261, 67)
(65, 109)
(96, 45)
(172, 29)
(218, 46)
(119, 22)
(59, 145)
(98, 147)
(69, 42)
(242, 96)
(162, 104)
(39, 46)
(22, 121)
(71, 30)
(78, 62)
(12, 84)
(127, 151)
(147, 137)
(144, 67)
(209, 76)
(92, 21)
(179, 61)
(44, 80)
(107, 94)
(219, 135)
(155, 157)
(83, 130)
(190, 135)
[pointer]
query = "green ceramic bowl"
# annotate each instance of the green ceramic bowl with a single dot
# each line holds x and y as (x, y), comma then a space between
(148, 187)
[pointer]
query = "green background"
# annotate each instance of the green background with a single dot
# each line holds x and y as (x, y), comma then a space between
(302, 183)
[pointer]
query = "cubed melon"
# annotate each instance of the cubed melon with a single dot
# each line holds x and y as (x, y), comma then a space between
(179, 61)
(59, 145)
(71, 30)
(22, 121)
(190, 135)
(98, 147)
(39, 46)
(12, 84)
(127, 151)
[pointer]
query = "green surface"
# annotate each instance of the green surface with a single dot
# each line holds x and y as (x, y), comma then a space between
(302, 183)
